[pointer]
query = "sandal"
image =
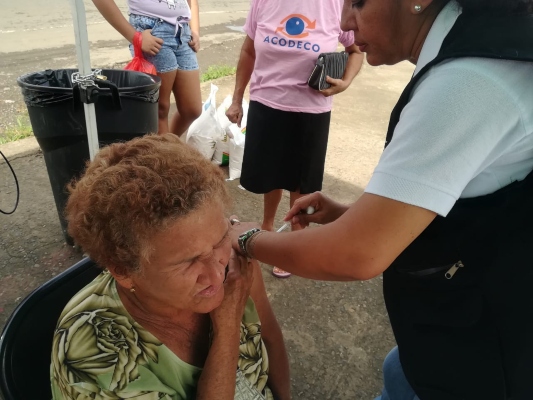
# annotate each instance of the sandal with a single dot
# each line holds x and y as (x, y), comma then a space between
(279, 273)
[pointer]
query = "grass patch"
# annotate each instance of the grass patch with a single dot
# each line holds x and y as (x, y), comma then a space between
(22, 129)
(217, 71)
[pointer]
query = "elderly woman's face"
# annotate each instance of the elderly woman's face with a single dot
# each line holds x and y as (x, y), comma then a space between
(187, 266)
(377, 27)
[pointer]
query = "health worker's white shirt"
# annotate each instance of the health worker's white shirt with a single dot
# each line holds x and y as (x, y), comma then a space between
(467, 130)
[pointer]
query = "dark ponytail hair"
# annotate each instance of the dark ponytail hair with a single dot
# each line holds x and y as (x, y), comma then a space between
(498, 7)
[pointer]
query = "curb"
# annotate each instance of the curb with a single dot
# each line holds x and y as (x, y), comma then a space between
(20, 148)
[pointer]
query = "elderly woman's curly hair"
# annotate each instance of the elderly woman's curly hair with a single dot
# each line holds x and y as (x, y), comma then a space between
(131, 191)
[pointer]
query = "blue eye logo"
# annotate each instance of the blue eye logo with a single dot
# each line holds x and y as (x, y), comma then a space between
(295, 25)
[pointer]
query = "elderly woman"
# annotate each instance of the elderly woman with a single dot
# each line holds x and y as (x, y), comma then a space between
(288, 122)
(175, 314)
(448, 213)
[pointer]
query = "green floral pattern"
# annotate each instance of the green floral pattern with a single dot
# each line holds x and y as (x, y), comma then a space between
(99, 352)
(253, 358)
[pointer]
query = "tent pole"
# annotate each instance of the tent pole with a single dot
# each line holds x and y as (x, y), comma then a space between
(84, 66)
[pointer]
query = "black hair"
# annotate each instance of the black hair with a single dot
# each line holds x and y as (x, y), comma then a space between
(498, 7)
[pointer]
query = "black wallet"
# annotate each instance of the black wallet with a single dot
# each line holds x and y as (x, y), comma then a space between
(328, 64)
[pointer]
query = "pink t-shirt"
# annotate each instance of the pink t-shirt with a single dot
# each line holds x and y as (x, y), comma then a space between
(288, 38)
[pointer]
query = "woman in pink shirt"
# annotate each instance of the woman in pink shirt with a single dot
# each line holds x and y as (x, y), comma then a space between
(288, 122)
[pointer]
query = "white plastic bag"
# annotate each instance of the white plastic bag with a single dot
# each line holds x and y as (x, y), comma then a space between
(221, 156)
(205, 130)
(236, 146)
(221, 113)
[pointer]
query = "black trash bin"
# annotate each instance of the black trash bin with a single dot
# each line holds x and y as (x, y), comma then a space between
(58, 120)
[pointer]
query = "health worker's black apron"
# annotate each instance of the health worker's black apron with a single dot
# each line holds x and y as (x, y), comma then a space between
(471, 336)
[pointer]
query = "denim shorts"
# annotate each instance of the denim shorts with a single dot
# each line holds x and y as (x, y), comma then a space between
(175, 52)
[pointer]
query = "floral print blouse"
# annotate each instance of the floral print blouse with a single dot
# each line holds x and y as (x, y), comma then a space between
(100, 352)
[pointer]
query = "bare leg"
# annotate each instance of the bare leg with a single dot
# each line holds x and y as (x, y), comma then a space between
(271, 203)
(295, 196)
(167, 81)
(188, 100)
(278, 272)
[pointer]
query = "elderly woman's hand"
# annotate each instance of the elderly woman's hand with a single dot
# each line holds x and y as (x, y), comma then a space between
(337, 86)
(227, 316)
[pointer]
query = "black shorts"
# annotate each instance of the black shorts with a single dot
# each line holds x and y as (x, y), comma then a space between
(284, 150)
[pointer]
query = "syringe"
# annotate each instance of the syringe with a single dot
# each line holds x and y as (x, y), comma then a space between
(310, 210)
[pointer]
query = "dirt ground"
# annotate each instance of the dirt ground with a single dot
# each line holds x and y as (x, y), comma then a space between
(337, 334)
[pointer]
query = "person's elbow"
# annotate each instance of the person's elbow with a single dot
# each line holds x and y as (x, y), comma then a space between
(361, 269)
(248, 48)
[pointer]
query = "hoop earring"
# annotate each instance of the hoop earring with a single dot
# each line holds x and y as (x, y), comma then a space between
(418, 8)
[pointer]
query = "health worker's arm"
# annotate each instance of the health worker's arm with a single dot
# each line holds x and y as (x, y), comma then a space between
(359, 245)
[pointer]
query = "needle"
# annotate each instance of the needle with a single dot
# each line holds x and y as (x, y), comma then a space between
(310, 210)
(285, 226)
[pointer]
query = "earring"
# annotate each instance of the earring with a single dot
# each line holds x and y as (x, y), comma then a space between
(418, 8)
(132, 289)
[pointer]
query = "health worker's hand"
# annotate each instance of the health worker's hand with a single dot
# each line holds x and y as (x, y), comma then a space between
(337, 86)
(235, 113)
(228, 315)
(195, 41)
(326, 210)
(150, 43)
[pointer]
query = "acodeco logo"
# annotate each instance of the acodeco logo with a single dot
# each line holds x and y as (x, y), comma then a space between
(295, 26)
